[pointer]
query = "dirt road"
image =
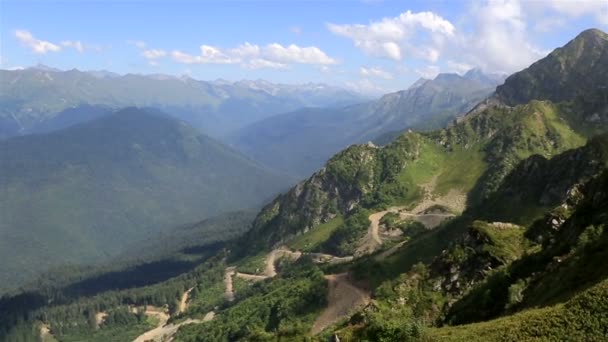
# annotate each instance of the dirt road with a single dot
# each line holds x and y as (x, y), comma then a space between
(183, 303)
(229, 292)
(343, 298)
(371, 241)
(164, 333)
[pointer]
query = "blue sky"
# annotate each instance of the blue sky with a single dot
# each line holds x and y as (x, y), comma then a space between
(371, 46)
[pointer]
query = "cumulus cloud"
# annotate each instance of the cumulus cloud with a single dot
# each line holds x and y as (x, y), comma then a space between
(578, 8)
(500, 38)
(395, 37)
(375, 72)
(253, 56)
(39, 46)
(36, 45)
(296, 54)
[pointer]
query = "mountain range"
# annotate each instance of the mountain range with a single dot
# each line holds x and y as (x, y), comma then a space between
(300, 142)
(38, 96)
(85, 193)
(492, 228)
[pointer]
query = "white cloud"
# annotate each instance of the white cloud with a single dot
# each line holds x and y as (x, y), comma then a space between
(296, 54)
(246, 50)
(578, 8)
(429, 71)
(209, 55)
(500, 39)
(395, 37)
(375, 72)
(250, 55)
(459, 68)
(36, 45)
(260, 63)
(77, 45)
(153, 54)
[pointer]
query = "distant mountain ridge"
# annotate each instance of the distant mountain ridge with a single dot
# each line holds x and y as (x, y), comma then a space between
(300, 142)
(493, 228)
(34, 96)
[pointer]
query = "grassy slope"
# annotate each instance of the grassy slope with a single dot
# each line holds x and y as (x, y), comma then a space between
(317, 235)
(584, 317)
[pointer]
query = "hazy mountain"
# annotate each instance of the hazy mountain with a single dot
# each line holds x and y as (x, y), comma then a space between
(32, 96)
(355, 253)
(84, 193)
(300, 142)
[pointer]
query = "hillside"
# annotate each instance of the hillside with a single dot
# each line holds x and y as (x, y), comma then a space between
(100, 186)
(34, 98)
(578, 68)
(300, 142)
(493, 228)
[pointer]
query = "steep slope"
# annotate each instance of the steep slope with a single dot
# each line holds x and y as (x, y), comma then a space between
(86, 192)
(522, 260)
(30, 98)
(300, 142)
(472, 158)
(578, 68)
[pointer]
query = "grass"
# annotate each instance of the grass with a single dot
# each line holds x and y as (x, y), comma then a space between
(253, 264)
(582, 318)
(317, 235)
(430, 162)
(462, 168)
(505, 244)
(456, 169)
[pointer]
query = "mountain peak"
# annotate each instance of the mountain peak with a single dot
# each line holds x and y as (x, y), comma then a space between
(579, 67)
(418, 83)
(592, 33)
(44, 67)
(447, 77)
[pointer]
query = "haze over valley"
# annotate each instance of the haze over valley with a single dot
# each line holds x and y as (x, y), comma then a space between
(303, 171)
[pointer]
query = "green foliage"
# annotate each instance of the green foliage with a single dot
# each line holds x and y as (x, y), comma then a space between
(345, 237)
(391, 324)
(505, 244)
(301, 141)
(311, 240)
(99, 187)
(253, 264)
(283, 308)
(582, 318)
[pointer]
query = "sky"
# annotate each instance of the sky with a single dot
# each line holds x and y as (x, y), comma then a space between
(371, 46)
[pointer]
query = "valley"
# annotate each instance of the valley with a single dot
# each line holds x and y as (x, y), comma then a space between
(469, 206)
